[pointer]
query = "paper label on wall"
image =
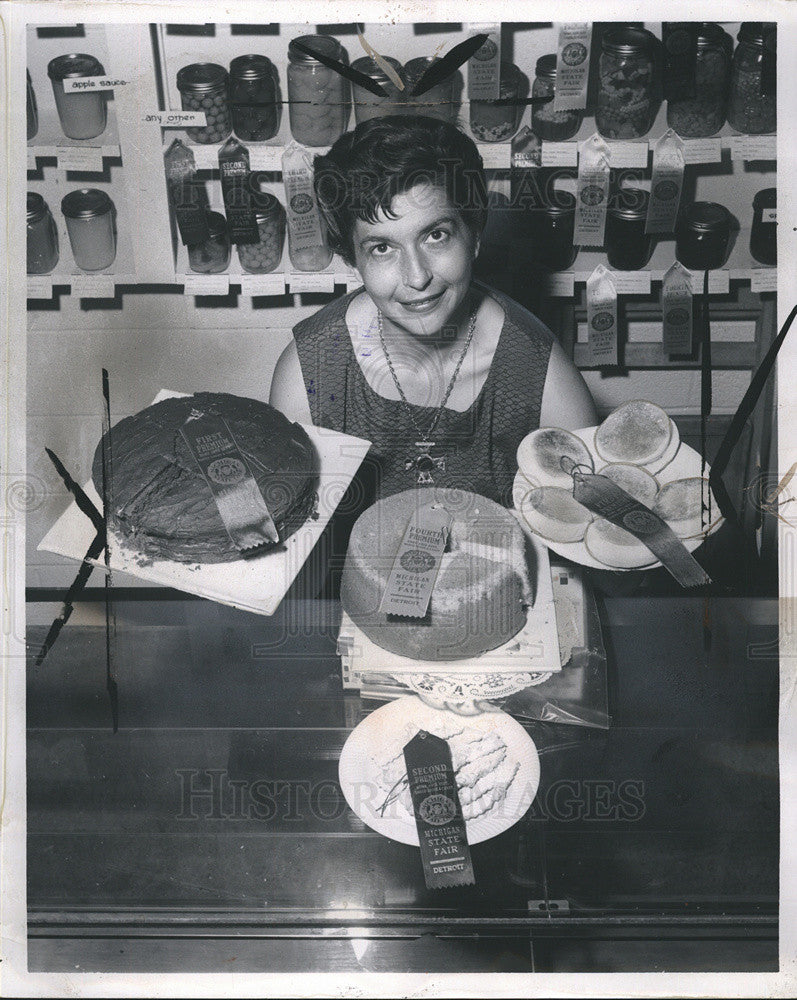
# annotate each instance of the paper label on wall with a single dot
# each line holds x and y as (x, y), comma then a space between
(266, 158)
(234, 171)
(87, 83)
(40, 286)
(572, 66)
(764, 279)
(702, 150)
(417, 563)
(754, 147)
(31, 159)
(176, 119)
(561, 284)
(80, 158)
(666, 184)
(262, 284)
(626, 153)
(602, 317)
(560, 154)
(718, 282)
(94, 286)
(206, 284)
(184, 194)
(484, 67)
(310, 281)
(495, 156)
(631, 282)
(592, 196)
(304, 220)
(676, 310)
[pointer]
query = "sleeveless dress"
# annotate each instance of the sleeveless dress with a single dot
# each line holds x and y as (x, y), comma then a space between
(479, 444)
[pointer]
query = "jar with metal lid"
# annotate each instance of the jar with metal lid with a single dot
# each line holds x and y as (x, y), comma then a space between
(265, 255)
(254, 98)
(704, 113)
(33, 115)
(752, 105)
(764, 231)
(212, 255)
(702, 236)
(438, 101)
(203, 87)
(368, 105)
(550, 125)
(627, 98)
(89, 215)
(319, 97)
(83, 114)
(628, 246)
(552, 228)
(491, 122)
(42, 236)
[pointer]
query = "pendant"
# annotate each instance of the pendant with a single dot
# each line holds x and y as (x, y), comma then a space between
(425, 464)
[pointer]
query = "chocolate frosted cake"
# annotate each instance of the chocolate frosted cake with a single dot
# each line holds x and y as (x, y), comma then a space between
(162, 505)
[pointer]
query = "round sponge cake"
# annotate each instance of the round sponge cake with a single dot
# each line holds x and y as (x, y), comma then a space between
(161, 503)
(482, 588)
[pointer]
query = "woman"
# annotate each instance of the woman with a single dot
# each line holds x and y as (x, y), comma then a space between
(442, 374)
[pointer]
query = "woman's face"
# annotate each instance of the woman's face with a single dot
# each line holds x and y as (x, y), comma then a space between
(417, 266)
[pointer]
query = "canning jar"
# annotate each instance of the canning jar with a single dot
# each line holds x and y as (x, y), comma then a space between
(702, 236)
(749, 109)
(319, 99)
(42, 236)
(203, 87)
(265, 255)
(550, 125)
(33, 116)
(628, 246)
(491, 122)
(89, 215)
(83, 114)
(764, 231)
(438, 101)
(368, 105)
(212, 255)
(704, 113)
(552, 227)
(627, 89)
(254, 98)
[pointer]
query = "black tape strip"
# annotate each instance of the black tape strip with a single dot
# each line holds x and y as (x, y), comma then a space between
(705, 372)
(110, 616)
(450, 63)
(350, 74)
(85, 506)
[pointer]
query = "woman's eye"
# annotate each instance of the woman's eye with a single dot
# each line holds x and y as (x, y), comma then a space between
(438, 235)
(379, 249)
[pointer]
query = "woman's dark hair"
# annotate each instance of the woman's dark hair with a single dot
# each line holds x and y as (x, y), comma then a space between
(383, 157)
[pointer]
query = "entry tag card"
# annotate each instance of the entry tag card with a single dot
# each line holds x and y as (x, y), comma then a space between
(192, 220)
(445, 854)
(602, 317)
(417, 563)
(484, 67)
(666, 184)
(304, 219)
(572, 66)
(592, 196)
(240, 503)
(676, 309)
(234, 169)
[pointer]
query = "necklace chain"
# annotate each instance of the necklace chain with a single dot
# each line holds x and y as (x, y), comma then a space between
(425, 435)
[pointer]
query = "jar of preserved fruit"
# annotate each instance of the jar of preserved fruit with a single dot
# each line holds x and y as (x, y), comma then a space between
(254, 98)
(438, 101)
(490, 122)
(628, 246)
(42, 236)
(33, 115)
(704, 114)
(203, 87)
(702, 236)
(265, 255)
(627, 89)
(89, 215)
(752, 105)
(553, 227)
(212, 256)
(319, 99)
(368, 105)
(550, 125)
(764, 231)
(83, 114)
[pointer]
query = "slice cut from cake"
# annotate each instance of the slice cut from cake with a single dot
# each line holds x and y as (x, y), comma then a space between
(481, 591)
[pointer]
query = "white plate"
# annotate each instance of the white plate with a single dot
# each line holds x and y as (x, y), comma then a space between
(257, 584)
(679, 461)
(383, 735)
